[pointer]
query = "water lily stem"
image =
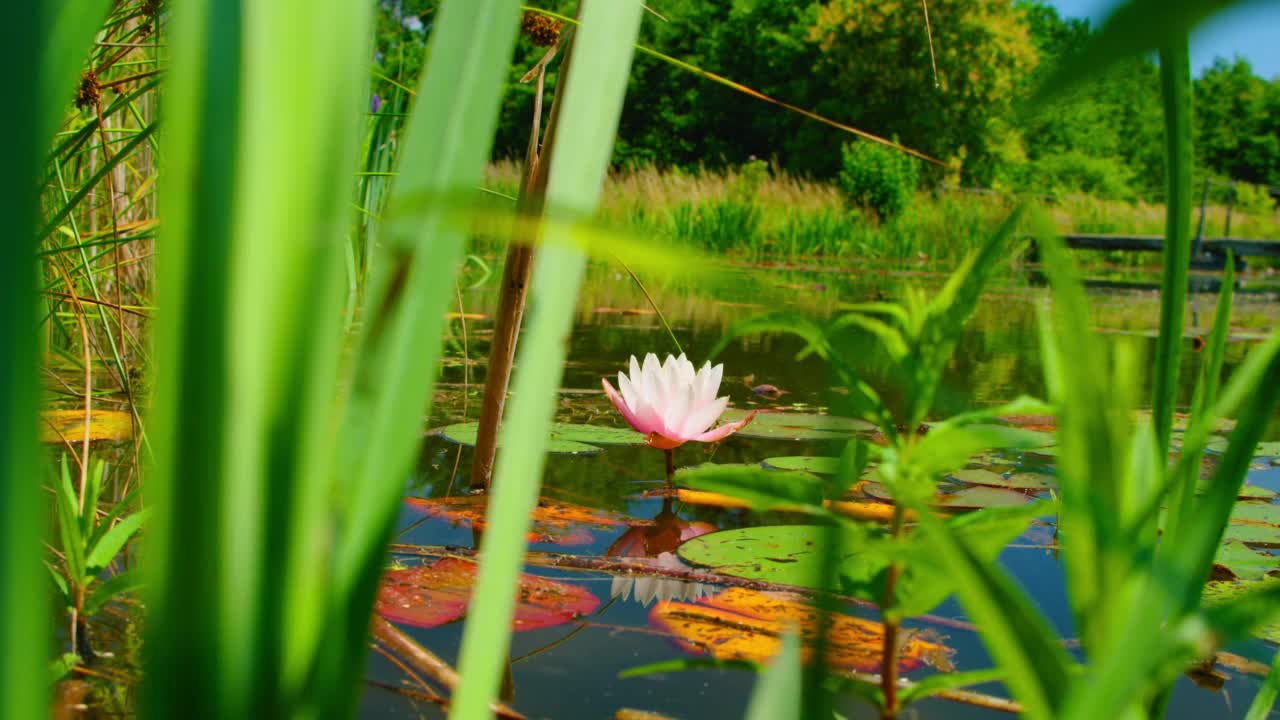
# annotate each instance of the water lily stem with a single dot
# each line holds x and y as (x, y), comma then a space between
(671, 466)
(889, 654)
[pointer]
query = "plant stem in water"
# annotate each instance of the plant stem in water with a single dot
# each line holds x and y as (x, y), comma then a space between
(671, 465)
(889, 655)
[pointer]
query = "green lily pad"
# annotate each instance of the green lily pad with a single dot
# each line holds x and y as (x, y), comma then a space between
(978, 497)
(796, 426)
(784, 554)
(1216, 593)
(1017, 481)
(1253, 534)
(814, 464)
(1256, 512)
(1247, 491)
(970, 498)
(1243, 562)
(566, 438)
(1218, 444)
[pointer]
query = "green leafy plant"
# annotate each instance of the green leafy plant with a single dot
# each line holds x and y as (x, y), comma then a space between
(878, 177)
(91, 542)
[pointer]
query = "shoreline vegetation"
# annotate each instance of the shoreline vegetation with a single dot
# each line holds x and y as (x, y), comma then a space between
(758, 211)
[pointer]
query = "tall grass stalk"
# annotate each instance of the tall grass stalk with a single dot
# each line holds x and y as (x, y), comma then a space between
(42, 58)
(593, 102)
(251, 285)
(1175, 78)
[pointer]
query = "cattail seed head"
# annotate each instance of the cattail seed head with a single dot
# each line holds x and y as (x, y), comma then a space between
(542, 30)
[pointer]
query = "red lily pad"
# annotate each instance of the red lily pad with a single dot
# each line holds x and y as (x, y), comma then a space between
(438, 594)
(555, 522)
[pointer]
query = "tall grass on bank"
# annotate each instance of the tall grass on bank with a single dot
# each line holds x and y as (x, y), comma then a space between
(754, 212)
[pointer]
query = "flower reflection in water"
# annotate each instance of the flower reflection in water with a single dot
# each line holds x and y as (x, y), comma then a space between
(658, 541)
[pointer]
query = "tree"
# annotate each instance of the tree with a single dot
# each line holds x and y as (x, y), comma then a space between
(1238, 122)
(876, 53)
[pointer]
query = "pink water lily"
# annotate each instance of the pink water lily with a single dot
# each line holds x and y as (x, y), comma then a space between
(671, 403)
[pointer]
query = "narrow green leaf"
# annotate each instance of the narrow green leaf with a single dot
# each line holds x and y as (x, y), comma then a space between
(941, 682)
(1018, 637)
(107, 590)
(69, 525)
(683, 664)
(1175, 78)
(779, 690)
(598, 68)
(1260, 708)
(764, 489)
(101, 554)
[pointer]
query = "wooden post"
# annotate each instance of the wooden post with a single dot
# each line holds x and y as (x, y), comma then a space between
(515, 282)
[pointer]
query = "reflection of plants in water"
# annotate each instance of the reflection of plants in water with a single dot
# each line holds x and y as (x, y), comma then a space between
(659, 540)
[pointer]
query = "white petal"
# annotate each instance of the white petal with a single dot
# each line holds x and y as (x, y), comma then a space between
(628, 392)
(698, 422)
(676, 415)
(685, 369)
(650, 385)
(717, 374)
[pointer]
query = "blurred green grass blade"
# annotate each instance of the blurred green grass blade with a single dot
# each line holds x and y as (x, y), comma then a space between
(1260, 709)
(594, 88)
(779, 690)
(40, 56)
(1038, 669)
(1133, 28)
(410, 284)
(1186, 474)
(1255, 388)
(1175, 79)
(249, 337)
(1093, 429)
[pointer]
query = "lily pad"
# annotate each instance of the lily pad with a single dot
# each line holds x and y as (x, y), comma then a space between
(970, 498)
(437, 594)
(741, 624)
(813, 464)
(1016, 481)
(782, 554)
(68, 425)
(796, 426)
(975, 498)
(1216, 593)
(566, 438)
(1218, 444)
(1238, 561)
(554, 522)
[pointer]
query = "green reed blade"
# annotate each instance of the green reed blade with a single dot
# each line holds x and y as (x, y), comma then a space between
(596, 83)
(1175, 77)
(1038, 669)
(40, 55)
(247, 347)
(410, 286)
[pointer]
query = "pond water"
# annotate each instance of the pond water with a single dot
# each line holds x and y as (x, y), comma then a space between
(571, 670)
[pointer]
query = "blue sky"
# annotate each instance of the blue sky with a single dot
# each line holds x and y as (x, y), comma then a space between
(1251, 30)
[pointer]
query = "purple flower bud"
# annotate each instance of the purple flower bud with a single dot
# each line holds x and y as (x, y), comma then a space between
(376, 103)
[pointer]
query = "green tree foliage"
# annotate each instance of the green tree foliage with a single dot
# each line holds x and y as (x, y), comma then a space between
(877, 54)
(1238, 123)
(867, 63)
